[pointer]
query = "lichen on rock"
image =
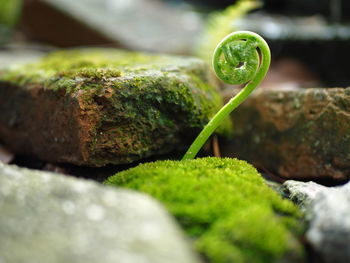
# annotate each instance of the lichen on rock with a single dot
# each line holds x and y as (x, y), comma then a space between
(99, 106)
(224, 205)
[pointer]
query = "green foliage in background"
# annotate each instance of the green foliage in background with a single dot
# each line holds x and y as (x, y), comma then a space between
(224, 205)
(220, 24)
(9, 12)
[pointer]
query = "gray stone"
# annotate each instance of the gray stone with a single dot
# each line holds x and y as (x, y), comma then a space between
(19, 55)
(327, 211)
(302, 193)
(47, 218)
(5, 155)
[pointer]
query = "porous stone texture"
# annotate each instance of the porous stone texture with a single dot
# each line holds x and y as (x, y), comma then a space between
(327, 211)
(49, 218)
(301, 193)
(98, 106)
(295, 133)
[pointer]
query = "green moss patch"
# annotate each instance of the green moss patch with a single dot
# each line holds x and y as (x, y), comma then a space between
(224, 205)
(73, 70)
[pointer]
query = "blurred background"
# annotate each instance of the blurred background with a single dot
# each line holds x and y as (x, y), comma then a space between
(310, 39)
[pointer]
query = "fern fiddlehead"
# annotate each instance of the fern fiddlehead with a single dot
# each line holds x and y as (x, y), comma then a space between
(236, 60)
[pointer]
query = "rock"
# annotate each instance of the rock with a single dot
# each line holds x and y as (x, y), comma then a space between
(328, 215)
(50, 218)
(150, 25)
(5, 155)
(296, 133)
(98, 106)
(301, 193)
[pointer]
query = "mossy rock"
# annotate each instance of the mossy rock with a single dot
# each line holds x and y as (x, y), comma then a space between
(224, 205)
(99, 106)
(301, 134)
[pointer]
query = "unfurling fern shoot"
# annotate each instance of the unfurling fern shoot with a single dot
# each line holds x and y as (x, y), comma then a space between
(236, 60)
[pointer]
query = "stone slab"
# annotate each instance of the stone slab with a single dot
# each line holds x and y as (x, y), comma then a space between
(294, 132)
(327, 210)
(52, 218)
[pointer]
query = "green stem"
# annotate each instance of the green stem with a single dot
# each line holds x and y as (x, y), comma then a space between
(231, 49)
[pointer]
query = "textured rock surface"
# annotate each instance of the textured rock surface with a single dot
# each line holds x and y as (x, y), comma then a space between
(98, 106)
(328, 215)
(296, 133)
(302, 193)
(47, 218)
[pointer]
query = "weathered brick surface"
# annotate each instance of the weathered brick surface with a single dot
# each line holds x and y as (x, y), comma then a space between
(296, 133)
(94, 107)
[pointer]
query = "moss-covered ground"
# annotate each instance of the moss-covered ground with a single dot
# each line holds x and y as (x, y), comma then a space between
(224, 205)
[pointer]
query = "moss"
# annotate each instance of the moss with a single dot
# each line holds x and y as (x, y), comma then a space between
(223, 204)
(69, 68)
(9, 12)
(132, 105)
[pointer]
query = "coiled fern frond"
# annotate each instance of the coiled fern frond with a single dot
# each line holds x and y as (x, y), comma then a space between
(241, 57)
